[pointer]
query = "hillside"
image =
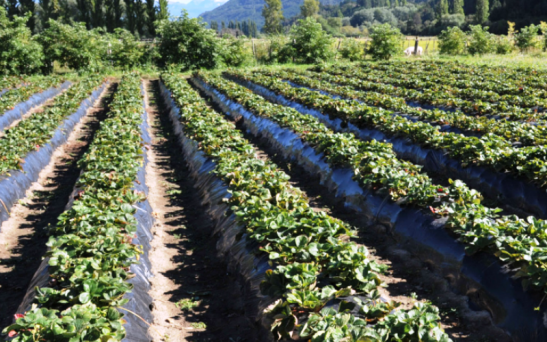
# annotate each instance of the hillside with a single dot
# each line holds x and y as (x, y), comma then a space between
(242, 10)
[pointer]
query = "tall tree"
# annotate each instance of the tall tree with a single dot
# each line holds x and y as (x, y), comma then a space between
(84, 15)
(118, 13)
(28, 6)
(458, 7)
(131, 16)
(140, 14)
(163, 12)
(98, 14)
(310, 8)
(49, 10)
(254, 30)
(273, 15)
(482, 13)
(442, 8)
(151, 17)
(214, 25)
(12, 7)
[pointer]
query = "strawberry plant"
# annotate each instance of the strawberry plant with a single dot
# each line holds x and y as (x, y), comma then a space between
(311, 264)
(91, 248)
(376, 167)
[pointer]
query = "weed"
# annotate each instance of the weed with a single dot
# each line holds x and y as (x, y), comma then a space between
(199, 325)
(186, 304)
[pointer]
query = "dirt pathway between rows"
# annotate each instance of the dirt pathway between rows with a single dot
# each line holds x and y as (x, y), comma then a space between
(24, 235)
(195, 299)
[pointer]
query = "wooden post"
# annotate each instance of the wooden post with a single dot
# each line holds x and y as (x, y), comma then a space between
(254, 51)
(416, 46)
(294, 42)
(270, 51)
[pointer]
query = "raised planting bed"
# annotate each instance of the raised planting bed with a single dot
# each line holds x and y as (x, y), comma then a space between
(27, 148)
(321, 152)
(94, 279)
(302, 277)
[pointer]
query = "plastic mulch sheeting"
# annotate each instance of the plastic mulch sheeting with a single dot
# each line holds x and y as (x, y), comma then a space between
(139, 299)
(14, 185)
(515, 192)
(482, 277)
(233, 244)
(38, 160)
(35, 100)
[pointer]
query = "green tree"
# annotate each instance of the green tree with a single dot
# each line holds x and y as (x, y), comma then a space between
(310, 43)
(151, 17)
(442, 8)
(130, 22)
(50, 10)
(98, 14)
(458, 7)
(188, 43)
(385, 41)
(20, 53)
(28, 6)
(84, 12)
(452, 41)
(273, 15)
(163, 12)
(482, 13)
(310, 8)
(254, 30)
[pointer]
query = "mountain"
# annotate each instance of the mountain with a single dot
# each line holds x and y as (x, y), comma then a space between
(194, 7)
(241, 10)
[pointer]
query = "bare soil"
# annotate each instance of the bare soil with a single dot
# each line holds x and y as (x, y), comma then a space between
(24, 235)
(187, 271)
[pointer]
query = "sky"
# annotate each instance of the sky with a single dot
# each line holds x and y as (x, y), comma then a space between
(194, 7)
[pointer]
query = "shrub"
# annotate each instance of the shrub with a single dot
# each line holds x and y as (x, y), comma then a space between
(311, 44)
(188, 43)
(503, 46)
(480, 40)
(280, 50)
(526, 38)
(73, 46)
(127, 52)
(20, 53)
(351, 49)
(452, 41)
(385, 43)
(543, 27)
(233, 53)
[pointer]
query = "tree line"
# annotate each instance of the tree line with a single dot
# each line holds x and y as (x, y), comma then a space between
(136, 16)
(247, 27)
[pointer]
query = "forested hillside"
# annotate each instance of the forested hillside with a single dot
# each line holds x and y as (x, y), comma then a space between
(243, 10)
(428, 17)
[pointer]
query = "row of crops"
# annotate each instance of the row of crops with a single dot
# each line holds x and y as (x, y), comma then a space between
(448, 157)
(94, 270)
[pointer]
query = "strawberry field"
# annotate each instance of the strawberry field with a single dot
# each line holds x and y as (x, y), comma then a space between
(390, 201)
